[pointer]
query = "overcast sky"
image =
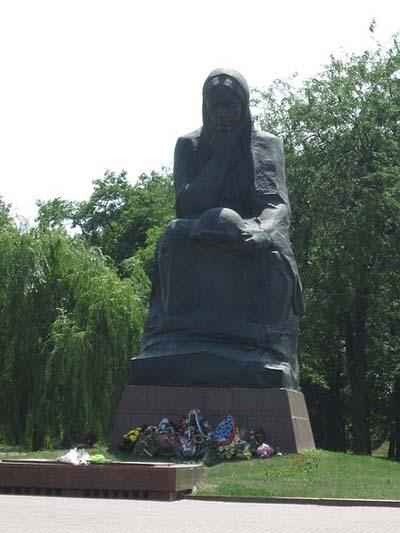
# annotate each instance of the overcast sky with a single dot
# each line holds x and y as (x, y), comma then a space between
(90, 85)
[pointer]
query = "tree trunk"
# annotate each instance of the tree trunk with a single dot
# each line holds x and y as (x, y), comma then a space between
(392, 445)
(335, 432)
(357, 368)
(394, 436)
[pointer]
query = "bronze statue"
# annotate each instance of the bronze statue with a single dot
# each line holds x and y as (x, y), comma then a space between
(226, 295)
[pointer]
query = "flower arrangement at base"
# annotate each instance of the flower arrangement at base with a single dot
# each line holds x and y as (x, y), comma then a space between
(255, 438)
(194, 433)
(193, 439)
(243, 451)
(264, 451)
(157, 441)
(227, 437)
(130, 438)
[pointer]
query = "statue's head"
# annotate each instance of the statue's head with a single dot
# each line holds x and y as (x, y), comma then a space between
(225, 102)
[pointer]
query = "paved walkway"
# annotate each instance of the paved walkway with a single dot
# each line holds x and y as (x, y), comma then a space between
(39, 514)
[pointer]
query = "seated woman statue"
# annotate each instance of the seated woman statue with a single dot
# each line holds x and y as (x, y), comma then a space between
(226, 296)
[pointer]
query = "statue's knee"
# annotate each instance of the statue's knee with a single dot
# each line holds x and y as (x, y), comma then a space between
(229, 216)
(172, 225)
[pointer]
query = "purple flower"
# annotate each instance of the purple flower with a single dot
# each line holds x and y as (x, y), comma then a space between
(264, 451)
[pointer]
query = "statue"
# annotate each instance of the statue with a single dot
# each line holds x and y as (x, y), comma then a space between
(226, 296)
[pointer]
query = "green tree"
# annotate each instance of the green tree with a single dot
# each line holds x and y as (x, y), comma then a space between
(5, 217)
(69, 328)
(118, 216)
(53, 214)
(341, 134)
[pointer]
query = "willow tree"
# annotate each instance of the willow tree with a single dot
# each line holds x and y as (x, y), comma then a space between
(69, 329)
(342, 141)
(89, 347)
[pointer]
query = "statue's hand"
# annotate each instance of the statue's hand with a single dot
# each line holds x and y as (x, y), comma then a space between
(219, 227)
(222, 142)
(256, 241)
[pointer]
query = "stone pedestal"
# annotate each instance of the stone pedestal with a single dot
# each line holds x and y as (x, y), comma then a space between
(280, 413)
(157, 481)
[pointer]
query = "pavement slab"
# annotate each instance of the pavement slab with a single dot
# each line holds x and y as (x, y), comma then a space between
(40, 514)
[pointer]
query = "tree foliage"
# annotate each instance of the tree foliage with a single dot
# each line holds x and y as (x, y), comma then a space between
(53, 214)
(341, 134)
(69, 328)
(5, 217)
(118, 216)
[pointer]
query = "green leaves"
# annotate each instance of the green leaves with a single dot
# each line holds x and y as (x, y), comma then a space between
(54, 213)
(342, 142)
(70, 326)
(118, 215)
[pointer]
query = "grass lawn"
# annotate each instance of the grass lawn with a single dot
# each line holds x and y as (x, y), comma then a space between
(319, 474)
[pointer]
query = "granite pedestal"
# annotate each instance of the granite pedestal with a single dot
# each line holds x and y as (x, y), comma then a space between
(280, 413)
(158, 481)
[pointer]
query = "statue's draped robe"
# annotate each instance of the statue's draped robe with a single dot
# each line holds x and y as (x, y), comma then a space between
(218, 316)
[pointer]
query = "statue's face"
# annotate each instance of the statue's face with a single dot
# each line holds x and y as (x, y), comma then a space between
(224, 109)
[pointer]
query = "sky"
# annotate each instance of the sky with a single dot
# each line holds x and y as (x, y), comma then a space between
(91, 85)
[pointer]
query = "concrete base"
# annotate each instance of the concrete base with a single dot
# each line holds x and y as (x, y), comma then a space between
(156, 481)
(280, 413)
